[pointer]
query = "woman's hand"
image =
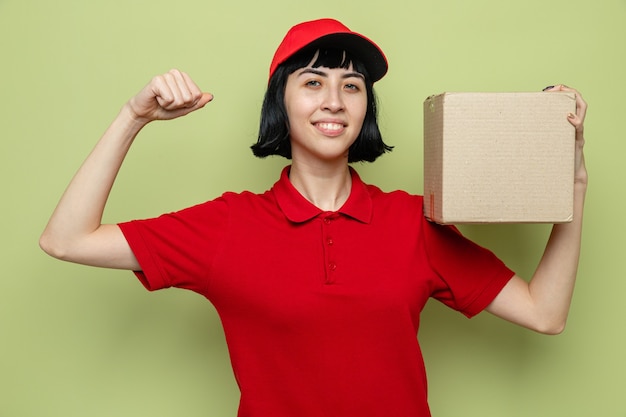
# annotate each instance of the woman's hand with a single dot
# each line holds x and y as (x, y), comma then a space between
(577, 120)
(167, 96)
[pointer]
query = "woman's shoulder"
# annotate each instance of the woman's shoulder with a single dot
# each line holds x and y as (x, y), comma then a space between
(246, 197)
(394, 196)
(399, 204)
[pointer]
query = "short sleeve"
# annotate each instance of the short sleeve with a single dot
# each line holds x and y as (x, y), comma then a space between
(470, 275)
(177, 249)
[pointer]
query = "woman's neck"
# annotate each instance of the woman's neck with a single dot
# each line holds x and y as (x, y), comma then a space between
(326, 186)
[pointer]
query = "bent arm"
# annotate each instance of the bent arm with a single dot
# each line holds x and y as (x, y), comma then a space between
(543, 303)
(74, 232)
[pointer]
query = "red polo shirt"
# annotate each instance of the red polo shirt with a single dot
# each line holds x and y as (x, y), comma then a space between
(320, 309)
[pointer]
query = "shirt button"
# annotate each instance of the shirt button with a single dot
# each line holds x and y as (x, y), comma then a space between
(329, 241)
(332, 266)
(327, 220)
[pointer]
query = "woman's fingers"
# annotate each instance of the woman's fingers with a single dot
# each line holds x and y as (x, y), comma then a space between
(577, 119)
(175, 90)
(170, 95)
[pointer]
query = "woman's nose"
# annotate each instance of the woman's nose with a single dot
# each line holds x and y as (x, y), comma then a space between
(333, 100)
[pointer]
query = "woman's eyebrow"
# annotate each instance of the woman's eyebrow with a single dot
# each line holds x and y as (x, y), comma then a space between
(313, 71)
(324, 74)
(354, 74)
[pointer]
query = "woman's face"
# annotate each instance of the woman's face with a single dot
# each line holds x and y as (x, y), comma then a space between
(326, 108)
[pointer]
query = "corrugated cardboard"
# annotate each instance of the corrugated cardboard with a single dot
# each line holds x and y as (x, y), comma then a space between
(499, 157)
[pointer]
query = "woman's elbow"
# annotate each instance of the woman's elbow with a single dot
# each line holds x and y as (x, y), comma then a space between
(551, 328)
(50, 245)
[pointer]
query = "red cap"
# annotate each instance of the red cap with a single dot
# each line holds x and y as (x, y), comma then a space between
(330, 32)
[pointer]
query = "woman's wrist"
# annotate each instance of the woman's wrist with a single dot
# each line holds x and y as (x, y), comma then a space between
(130, 118)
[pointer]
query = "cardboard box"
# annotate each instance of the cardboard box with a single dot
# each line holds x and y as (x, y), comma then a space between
(499, 157)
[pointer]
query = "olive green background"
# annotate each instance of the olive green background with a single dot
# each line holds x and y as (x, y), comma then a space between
(77, 341)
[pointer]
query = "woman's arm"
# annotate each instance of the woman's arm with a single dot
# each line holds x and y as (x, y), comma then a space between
(543, 303)
(74, 232)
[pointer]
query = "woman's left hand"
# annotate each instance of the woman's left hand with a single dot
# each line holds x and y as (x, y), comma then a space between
(577, 120)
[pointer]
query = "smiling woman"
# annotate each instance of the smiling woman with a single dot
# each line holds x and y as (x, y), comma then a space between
(319, 281)
(274, 130)
(325, 109)
(322, 105)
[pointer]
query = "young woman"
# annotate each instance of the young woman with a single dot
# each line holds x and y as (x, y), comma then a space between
(319, 281)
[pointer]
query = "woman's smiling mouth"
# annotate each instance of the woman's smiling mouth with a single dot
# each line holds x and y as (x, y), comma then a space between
(330, 127)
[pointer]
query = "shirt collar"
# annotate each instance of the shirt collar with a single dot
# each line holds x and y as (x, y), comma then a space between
(298, 209)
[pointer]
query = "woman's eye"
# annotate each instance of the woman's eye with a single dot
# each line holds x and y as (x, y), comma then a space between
(313, 83)
(352, 87)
